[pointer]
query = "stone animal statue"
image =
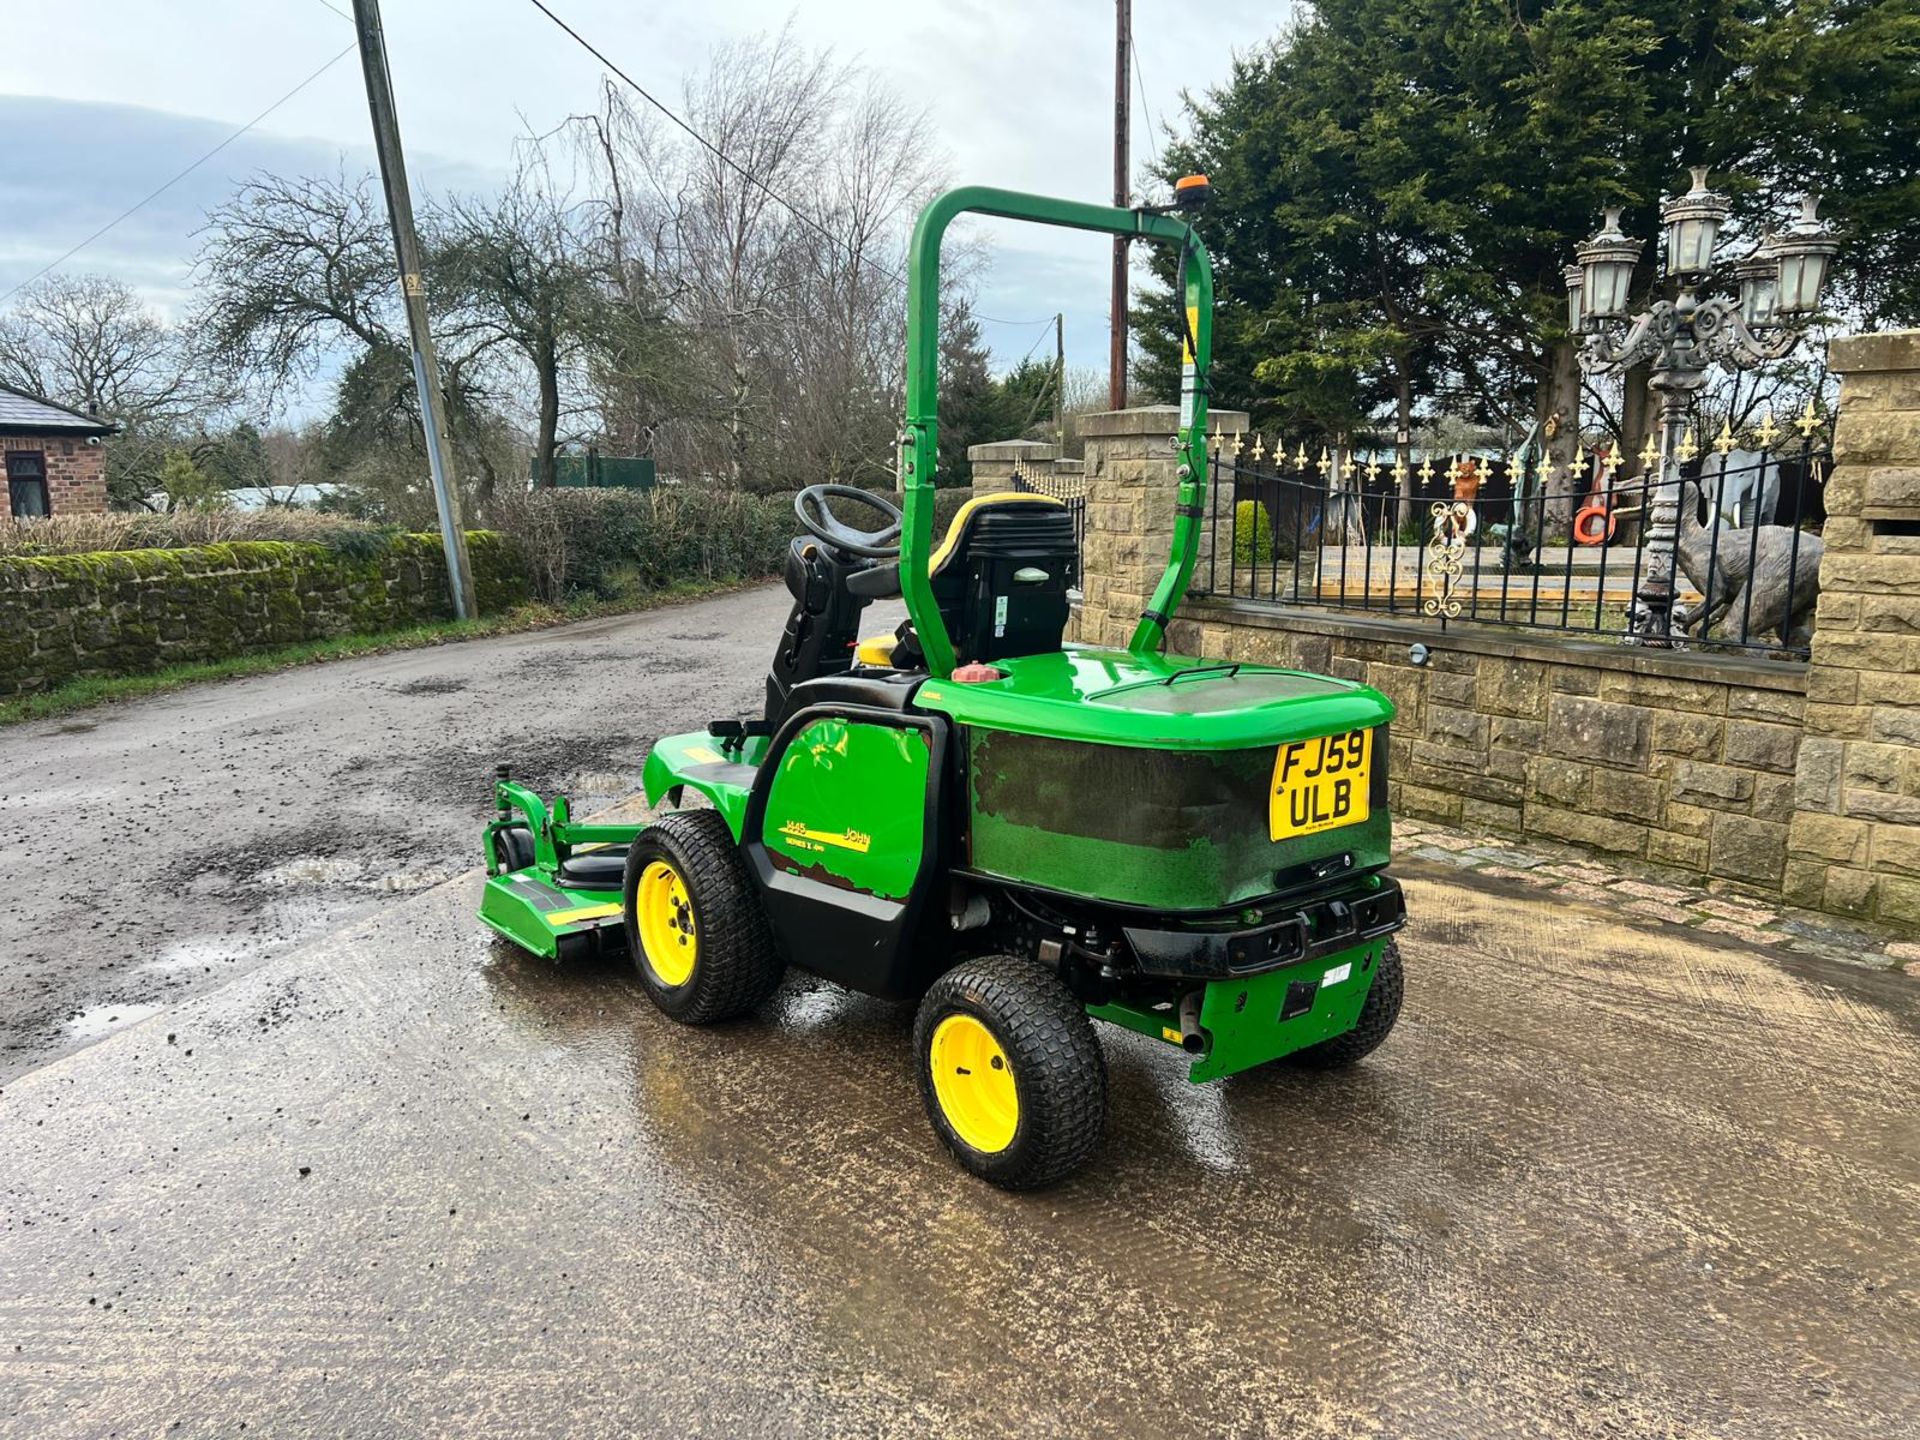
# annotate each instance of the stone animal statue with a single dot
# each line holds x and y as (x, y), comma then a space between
(1755, 561)
(1741, 484)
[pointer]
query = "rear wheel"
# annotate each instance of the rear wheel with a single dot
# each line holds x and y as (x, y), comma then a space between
(694, 926)
(1377, 1014)
(1010, 1071)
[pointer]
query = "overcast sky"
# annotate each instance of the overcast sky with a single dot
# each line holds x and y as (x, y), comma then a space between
(1020, 94)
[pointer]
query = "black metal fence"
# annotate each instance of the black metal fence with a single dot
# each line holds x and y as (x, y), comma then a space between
(1527, 544)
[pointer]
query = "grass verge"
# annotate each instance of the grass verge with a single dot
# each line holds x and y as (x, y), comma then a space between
(101, 690)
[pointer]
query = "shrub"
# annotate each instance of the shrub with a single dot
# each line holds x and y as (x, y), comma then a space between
(185, 530)
(612, 543)
(1252, 535)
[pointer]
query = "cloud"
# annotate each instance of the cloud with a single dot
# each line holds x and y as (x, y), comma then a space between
(71, 166)
(1019, 94)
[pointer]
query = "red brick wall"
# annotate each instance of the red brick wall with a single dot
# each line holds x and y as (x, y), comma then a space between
(76, 472)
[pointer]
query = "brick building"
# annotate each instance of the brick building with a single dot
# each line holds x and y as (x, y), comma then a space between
(55, 457)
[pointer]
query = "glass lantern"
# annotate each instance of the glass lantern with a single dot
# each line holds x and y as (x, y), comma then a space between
(1804, 252)
(1576, 315)
(1758, 277)
(1693, 225)
(1606, 265)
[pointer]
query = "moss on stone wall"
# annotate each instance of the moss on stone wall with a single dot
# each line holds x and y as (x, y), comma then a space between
(124, 612)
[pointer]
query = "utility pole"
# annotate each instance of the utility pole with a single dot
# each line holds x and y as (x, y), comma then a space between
(413, 288)
(1059, 381)
(1122, 196)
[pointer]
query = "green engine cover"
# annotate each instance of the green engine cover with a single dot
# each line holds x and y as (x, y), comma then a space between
(1167, 829)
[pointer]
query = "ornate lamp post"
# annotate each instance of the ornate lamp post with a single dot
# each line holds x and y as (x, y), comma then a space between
(1778, 288)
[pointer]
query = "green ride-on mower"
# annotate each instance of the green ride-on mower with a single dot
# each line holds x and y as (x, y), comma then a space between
(1021, 835)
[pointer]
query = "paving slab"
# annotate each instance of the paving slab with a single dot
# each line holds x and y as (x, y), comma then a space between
(1602, 1180)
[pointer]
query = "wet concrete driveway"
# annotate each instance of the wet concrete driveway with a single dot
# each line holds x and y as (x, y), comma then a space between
(404, 1182)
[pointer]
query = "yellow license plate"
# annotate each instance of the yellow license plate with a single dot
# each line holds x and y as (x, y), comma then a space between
(1320, 784)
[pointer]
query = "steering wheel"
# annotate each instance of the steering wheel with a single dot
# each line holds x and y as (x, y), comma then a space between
(811, 506)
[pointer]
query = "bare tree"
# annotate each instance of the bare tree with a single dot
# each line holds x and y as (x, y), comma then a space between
(289, 269)
(788, 326)
(89, 342)
(523, 273)
(299, 273)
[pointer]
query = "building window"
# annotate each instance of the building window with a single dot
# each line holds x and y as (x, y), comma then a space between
(27, 483)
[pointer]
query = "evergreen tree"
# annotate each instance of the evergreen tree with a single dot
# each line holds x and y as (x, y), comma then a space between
(970, 410)
(1399, 183)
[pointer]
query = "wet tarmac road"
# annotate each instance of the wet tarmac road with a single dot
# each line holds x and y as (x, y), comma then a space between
(1601, 1181)
(152, 849)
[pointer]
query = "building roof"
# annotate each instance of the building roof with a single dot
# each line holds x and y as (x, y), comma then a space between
(25, 414)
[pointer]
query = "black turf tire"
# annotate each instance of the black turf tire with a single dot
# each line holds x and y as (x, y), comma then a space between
(1059, 1072)
(737, 965)
(1377, 1014)
(512, 849)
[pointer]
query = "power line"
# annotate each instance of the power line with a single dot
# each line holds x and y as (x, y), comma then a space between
(156, 193)
(1146, 110)
(745, 174)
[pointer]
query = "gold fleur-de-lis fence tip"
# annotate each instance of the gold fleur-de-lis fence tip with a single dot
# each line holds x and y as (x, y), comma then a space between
(1723, 442)
(1766, 432)
(1324, 463)
(1808, 422)
(1650, 455)
(1259, 449)
(1425, 472)
(1612, 462)
(1239, 443)
(1688, 447)
(1300, 459)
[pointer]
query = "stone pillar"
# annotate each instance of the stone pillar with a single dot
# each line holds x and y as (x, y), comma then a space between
(1131, 489)
(994, 465)
(1854, 844)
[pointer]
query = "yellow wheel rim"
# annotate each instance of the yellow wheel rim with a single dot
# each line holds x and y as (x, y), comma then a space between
(663, 914)
(973, 1081)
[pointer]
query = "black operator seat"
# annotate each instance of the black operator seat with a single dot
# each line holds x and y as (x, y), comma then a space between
(1000, 578)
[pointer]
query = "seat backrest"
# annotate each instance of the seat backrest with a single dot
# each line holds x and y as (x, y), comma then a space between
(1002, 574)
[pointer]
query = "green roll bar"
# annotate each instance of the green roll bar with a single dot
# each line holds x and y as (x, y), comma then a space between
(919, 441)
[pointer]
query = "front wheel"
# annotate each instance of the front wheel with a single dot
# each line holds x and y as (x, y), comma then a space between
(1010, 1072)
(1377, 1014)
(695, 930)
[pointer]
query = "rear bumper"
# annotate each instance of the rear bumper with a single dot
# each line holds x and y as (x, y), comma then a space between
(1315, 929)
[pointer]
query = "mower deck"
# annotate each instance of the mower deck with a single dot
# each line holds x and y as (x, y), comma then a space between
(548, 919)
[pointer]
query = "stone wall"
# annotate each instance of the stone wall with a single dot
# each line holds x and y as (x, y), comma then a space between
(1799, 780)
(1854, 846)
(994, 465)
(122, 612)
(1131, 490)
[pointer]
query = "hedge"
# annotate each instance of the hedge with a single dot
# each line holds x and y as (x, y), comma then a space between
(125, 612)
(128, 611)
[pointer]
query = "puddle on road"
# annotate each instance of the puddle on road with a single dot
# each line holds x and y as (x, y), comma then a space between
(98, 1021)
(336, 872)
(312, 870)
(180, 956)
